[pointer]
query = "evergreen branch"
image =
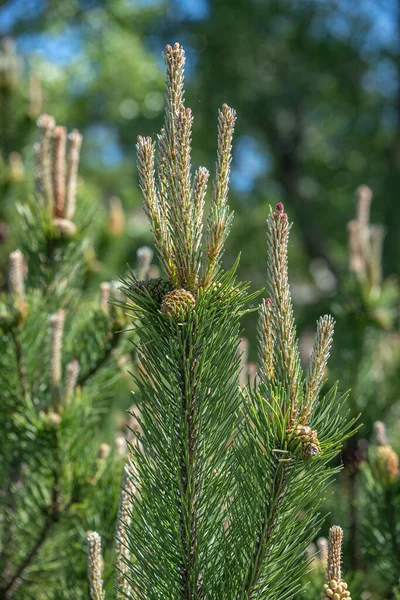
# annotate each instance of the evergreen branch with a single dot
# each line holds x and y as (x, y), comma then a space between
(75, 142)
(16, 286)
(335, 586)
(95, 568)
(16, 275)
(181, 207)
(187, 398)
(287, 357)
(7, 591)
(122, 552)
(53, 514)
(44, 163)
(201, 177)
(60, 138)
(20, 361)
(174, 58)
(189, 478)
(271, 508)
(335, 553)
(220, 219)
(154, 208)
(71, 378)
(101, 360)
(57, 328)
(318, 362)
(266, 341)
(175, 173)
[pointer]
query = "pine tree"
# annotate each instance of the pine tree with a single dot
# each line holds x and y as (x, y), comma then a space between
(367, 315)
(228, 480)
(59, 365)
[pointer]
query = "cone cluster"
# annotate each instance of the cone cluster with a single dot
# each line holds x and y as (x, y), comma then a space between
(304, 442)
(177, 304)
(336, 590)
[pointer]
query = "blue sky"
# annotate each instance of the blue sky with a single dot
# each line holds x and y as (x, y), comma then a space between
(62, 46)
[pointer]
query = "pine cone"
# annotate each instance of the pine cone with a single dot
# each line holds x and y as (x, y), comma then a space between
(177, 304)
(388, 462)
(336, 590)
(157, 288)
(304, 442)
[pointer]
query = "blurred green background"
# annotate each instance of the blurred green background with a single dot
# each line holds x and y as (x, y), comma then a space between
(316, 85)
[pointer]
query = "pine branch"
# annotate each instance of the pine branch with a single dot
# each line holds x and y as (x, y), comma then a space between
(102, 359)
(95, 567)
(318, 362)
(272, 506)
(287, 368)
(335, 585)
(20, 361)
(220, 219)
(9, 588)
(231, 479)
(122, 552)
(189, 476)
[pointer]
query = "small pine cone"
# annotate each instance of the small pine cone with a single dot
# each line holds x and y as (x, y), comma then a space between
(156, 287)
(388, 463)
(304, 442)
(177, 304)
(336, 590)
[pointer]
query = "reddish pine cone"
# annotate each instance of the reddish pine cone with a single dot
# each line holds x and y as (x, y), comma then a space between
(336, 590)
(156, 287)
(177, 304)
(388, 462)
(304, 442)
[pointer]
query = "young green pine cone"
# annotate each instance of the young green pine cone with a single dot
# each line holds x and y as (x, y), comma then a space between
(304, 442)
(177, 304)
(336, 590)
(156, 287)
(388, 462)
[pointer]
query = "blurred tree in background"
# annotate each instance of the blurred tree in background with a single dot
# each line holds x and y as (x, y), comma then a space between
(316, 85)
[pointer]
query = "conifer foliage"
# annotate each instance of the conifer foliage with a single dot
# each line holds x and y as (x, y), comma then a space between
(58, 368)
(379, 501)
(227, 481)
